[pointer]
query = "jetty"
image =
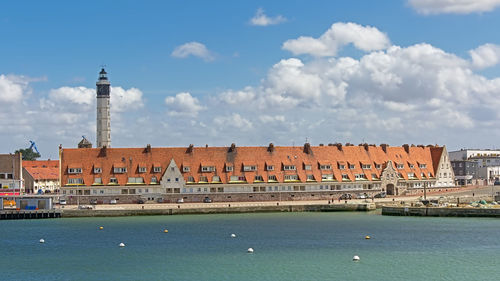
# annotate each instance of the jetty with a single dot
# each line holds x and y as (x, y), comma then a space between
(29, 214)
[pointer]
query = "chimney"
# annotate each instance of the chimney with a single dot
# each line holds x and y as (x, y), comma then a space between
(232, 148)
(406, 147)
(384, 147)
(339, 146)
(206, 145)
(148, 148)
(270, 148)
(365, 145)
(103, 152)
(190, 149)
(321, 144)
(420, 145)
(307, 148)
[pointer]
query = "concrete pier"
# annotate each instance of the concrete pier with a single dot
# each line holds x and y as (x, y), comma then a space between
(440, 212)
(219, 210)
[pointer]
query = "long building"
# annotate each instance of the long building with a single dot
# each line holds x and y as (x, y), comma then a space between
(251, 173)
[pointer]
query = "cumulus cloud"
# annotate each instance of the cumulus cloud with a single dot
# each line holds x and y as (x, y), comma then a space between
(261, 19)
(365, 38)
(427, 7)
(486, 55)
(233, 121)
(195, 49)
(124, 100)
(12, 88)
(183, 104)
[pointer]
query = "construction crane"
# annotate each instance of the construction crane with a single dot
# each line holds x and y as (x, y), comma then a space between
(33, 145)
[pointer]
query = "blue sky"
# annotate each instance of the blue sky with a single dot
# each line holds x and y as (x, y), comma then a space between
(388, 72)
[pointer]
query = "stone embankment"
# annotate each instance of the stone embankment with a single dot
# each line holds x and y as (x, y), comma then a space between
(440, 211)
(218, 210)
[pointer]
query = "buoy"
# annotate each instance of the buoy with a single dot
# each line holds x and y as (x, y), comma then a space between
(121, 245)
(42, 241)
(101, 227)
(233, 235)
(166, 230)
(250, 250)
(355, 258)
(367, 237)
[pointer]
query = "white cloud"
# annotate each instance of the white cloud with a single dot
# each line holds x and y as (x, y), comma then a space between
(485, 56)
(12, 88)
(365, 38)
(76, 95)
(235, 121)
(261, 19)
(427, 7)
(193, 49)
(124, 100)
(183, 104)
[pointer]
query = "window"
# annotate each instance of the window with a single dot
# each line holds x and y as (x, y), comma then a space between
(411, 175)
(190, 179)
(119, 170)
(237, 178)
(327, 177)
(422, 166)
(229, 168)
(157, 169)
(97, 180)
(289, 167)
(135, 180)
(270, 167)
(291, 177)
(258, 178)
(249, 168)
(74, 170)
(374, 176)
(360, 176)
(310, 177)
(203, 179)
(345, 177)
(75, 181)
(378, 166)
(186, 169)
(400, 166)
(215, 179)
(307, 167)
(207, 168)
(271, 178)
(366, 166)
(341, 167)
(430, 175)
(97, 170)
(325, 167)
(142, 169)
(153, 180)
(113, 181)
(352, 166)
(411, 166)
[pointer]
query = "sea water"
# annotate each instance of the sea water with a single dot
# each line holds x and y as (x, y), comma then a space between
(287, 246)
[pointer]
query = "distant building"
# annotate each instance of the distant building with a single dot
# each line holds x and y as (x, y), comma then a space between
(465, 154)
(11, 178)
(465, 172)
(482, 164)
(41, 176)
(252, 173)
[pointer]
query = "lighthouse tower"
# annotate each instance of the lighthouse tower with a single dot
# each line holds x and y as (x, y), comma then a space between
(103, 118)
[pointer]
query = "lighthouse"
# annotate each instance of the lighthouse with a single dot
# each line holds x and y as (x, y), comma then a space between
(103, 134)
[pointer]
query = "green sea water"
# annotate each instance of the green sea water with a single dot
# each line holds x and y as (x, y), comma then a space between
(288, 246)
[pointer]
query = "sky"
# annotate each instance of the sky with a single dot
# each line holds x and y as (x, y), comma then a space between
(251, 72)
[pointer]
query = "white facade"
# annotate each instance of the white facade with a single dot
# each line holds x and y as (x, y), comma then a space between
(465, 154)
(444, 173)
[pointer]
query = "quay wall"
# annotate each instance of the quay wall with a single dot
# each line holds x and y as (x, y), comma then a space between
(218, 210)
(440, 212)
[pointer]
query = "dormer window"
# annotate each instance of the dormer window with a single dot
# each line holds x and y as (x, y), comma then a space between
(325, 167)
(154, 180)
(307, 167)
(97, 170)
(157, 169)
(271, 178)
(186, 169)
(142, 169)
(289, 167)
(422, 166)
(352, 166)
(190, 179)
(229, 168)
(378, 166)
(366, 166)
(258, 178)
(74, 170)
(400, 166)
(270, 167)
(327, 177)
(341, 167)
(205, 169)
(119, 170)
(249, 168)
(310, 178)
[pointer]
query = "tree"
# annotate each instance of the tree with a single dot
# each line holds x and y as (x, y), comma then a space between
(28, 154)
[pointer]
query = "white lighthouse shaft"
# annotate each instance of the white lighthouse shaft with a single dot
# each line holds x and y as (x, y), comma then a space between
(103, 133)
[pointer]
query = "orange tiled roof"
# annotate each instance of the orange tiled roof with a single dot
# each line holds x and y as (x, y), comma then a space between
(40, 173)
(220, 157)
(41, 163)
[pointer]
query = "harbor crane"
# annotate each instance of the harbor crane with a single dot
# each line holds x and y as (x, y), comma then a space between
(33, 145)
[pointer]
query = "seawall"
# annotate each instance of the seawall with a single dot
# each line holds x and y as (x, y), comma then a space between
(219, 210)
(440, 212)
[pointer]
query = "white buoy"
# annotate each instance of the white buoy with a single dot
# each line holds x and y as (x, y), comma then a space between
(355, 258)
(42, 241)
(233, 235)
(121, 245)
(250, 250)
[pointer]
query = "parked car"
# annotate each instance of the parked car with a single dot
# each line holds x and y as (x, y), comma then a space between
(380, 195)
(62, 202)
(346, 196)
(180, 200)
(93, 201)
(496, 183)
(85, 207)
(140, 201)
(362, 196)
(207, 200)
(112, 201)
